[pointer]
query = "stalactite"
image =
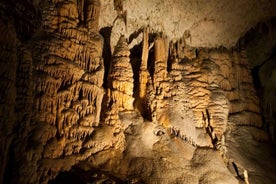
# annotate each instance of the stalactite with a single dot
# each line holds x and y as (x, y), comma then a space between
(160, 88)
(92, 14)
(80, 9)
(160, 72)
(143, 73)
(196, 97)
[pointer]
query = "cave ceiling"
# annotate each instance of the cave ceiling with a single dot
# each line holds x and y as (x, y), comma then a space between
(159, 91)
(202, 23)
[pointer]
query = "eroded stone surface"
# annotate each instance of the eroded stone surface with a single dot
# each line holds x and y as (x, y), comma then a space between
(180, 114)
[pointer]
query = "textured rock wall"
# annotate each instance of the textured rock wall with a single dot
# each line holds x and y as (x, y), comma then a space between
(260, 47)
(8, 65)
(59, 93)
(66, 79)
(193, 118)
(200, 98)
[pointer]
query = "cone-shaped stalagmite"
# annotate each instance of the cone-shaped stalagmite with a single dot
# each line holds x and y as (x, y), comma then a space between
(189, 111)
(121, 77)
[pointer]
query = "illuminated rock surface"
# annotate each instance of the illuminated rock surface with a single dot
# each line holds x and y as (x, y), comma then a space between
(137, 92)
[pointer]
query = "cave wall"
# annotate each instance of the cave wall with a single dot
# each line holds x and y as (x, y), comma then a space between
(8, 62)
(53, 91)
(167, 111)
(259, 44)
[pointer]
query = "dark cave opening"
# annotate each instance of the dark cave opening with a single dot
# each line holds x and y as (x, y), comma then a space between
(79, 176)
(135, 61)
(107, 56)
(136, 54)
(67, 177)
(9, 167)
(259, 44)
(256, 80)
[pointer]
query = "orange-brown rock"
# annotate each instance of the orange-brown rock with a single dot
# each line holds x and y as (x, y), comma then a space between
(118, 105)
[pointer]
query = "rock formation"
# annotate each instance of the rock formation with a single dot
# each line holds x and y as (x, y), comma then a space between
(8, 62)
(212, 24)
(167, 112)
(67, 78)
(120, 82)
(144, 78)
(59, 92)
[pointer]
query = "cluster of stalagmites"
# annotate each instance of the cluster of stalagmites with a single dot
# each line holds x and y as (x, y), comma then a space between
(59, 92)
(198, 94)
(153, 89)
(219, 88)
(195, 94)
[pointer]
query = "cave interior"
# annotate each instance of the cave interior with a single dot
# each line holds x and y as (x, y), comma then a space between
(125, 91)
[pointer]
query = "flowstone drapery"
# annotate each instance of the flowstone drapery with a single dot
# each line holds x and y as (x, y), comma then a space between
(123, 106)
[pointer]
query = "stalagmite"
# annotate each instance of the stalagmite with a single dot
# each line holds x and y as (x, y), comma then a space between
(143, 73)
(121, 77)
(160, 68)
(106, 97)
(160, 86)
(245, 175)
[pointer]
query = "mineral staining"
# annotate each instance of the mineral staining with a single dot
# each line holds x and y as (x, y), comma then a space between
(170, 117)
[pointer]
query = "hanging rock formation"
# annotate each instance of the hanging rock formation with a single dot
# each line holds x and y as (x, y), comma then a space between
(165, 112)
(161, 85)
(144, 79)
(60, 78)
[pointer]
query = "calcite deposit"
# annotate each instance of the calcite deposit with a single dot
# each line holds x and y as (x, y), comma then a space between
(138, 103)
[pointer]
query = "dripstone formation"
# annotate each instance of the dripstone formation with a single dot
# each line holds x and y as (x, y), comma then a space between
(66, 80)
(166, 112)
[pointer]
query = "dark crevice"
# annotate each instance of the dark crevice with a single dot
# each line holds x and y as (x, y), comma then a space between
(9, 167)
(25, 16)
(262, 28)
(256, 80)
(260, 49)
(80, 176)
(135, 34)
(135, 60)
(107, 56)
(67, 177)
(135, 56)
(151, 62)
